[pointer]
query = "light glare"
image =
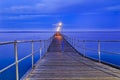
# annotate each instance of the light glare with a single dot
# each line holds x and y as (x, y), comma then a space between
(58, 29)
(60, 24)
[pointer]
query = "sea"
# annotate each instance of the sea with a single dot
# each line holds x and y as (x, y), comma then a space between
(110, 54)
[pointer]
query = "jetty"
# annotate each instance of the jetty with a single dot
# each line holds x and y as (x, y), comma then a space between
(63, 62)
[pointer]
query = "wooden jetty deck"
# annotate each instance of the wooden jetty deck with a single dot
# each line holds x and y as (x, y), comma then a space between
(62, 62)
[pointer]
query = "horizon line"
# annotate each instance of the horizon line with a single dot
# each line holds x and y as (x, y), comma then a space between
(40, 31)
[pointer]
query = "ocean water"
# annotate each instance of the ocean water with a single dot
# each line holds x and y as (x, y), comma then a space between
(110, 51)
(7, 51)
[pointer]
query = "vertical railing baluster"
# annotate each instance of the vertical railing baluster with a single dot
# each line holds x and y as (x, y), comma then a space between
(62, 46)
(16, 59)
(47, 44)
(84, 48)
(99, 53)
(78, 45)
(74, 44)
(40, 49)
(72, 41)
(32, 54)
(44, 46)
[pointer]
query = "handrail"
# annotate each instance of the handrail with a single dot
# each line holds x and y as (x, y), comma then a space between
(2, 70)
(75, 43)
(45, 47)
(97, 50)
(20, 41)
(4, 43)
(67, 37)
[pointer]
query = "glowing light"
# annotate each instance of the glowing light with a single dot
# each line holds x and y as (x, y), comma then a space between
(60, 24)
(58, 29)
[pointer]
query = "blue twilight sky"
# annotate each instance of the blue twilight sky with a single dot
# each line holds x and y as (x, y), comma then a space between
(75, 14)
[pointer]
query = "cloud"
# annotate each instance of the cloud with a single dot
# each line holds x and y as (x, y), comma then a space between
(117, 7)
(25, 7)
(48, 5)
(56, 5)
(30, 16)
(90, 13)
(60, 3)
(102, 10)
(19, 7)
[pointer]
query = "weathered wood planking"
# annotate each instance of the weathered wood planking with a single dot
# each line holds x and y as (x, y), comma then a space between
(69, 65)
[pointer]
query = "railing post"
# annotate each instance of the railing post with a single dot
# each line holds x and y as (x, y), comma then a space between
(62, 45)
(99, 54)
(78, 45)
(16, 59)
(44, 47)
(73, 41)
(40, 49)
(47, 44)
(32, 54)
(84, 48)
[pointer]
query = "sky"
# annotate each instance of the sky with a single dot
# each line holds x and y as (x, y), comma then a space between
(74, 14)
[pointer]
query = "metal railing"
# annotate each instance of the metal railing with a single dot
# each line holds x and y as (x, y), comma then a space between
(45, 43)
(76, 44)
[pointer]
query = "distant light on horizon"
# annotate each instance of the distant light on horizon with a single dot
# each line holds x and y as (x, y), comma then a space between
(59, 26)
(58, 29)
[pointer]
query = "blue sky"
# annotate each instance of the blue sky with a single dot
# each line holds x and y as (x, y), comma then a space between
(75, 14)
